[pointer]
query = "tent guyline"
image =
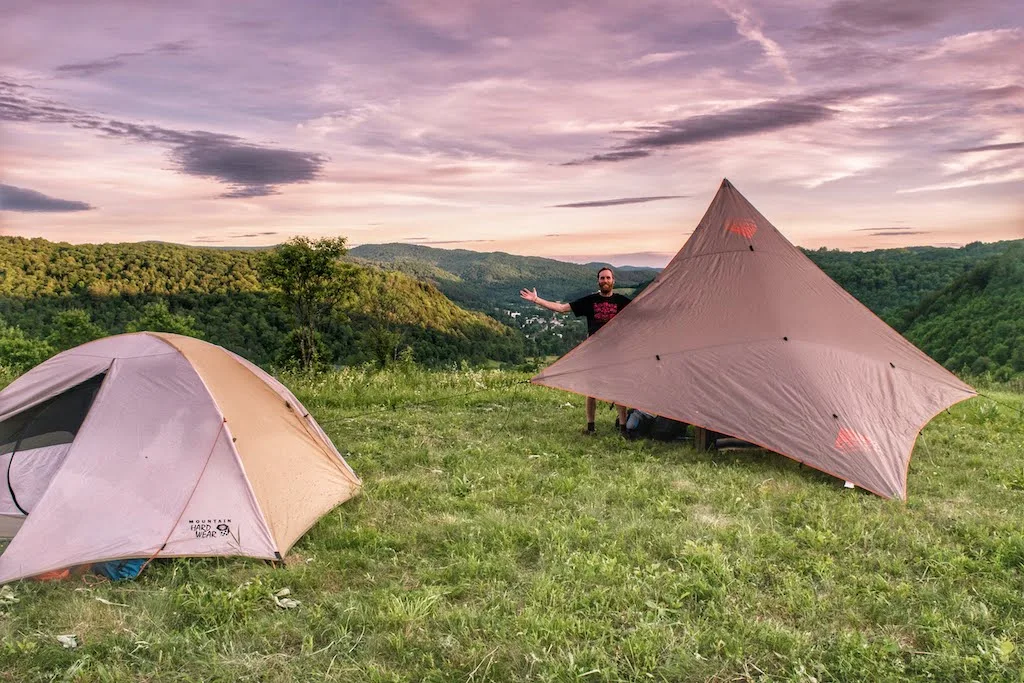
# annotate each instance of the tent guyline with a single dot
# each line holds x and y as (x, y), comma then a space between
(1019, 411)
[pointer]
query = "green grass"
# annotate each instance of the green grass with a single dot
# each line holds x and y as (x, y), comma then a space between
(493, 542)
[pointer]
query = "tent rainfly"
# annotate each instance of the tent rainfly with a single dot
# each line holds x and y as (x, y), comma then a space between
(742, 334)
(151, 444)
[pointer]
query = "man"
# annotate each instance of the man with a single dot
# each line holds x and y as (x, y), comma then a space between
(598, 308)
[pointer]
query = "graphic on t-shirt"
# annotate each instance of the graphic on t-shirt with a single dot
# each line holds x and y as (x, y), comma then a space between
(604, 312)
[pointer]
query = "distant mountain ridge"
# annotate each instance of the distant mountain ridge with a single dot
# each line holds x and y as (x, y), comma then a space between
(893, 283)
(888, 281)
(484, 280)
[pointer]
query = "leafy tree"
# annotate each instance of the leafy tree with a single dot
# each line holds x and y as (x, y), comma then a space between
(384, 337)
(311, 280)
(21, 353)
(73, 327)
(157, 317)
(295, 344)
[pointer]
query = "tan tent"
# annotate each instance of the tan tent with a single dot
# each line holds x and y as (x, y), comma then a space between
(742, 334)
(156, 444)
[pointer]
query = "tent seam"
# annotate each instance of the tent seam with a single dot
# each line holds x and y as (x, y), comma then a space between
(342, 466)
(248, 484)
(234, 448)
(195, 487)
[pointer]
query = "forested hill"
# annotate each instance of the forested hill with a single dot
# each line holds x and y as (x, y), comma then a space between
(888, 281)
(116, 285)
(486, 280)
(977, 322)
(962, 306)
(891, 281)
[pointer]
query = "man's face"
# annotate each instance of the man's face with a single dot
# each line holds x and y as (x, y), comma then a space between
(606, 281)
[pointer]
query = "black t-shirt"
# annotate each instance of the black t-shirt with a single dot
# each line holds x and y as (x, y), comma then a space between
(598, 309)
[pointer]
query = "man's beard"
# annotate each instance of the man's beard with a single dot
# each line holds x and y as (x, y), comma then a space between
(605, 288)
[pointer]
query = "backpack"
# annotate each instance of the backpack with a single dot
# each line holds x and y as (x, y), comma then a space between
(641, 424)
(667, 429)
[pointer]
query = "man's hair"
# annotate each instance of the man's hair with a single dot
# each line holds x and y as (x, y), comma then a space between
(604, 269)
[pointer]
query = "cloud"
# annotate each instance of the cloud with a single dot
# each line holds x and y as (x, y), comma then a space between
(249, 169)
(989, 148)
(98, 66)
(20, 199)
(848, 20)
(616, 202)
(996, 177)
(759, 118)
(612, 156)
(659, 58)
(95, 67)
(895, 233)
(646, 259)
(883, 15)
(750, 28)
(425, 241)
(237, 236)
(246, 192)
(887, 228)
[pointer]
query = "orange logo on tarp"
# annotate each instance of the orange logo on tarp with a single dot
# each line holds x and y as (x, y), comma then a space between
(745, 227)
(849, 441)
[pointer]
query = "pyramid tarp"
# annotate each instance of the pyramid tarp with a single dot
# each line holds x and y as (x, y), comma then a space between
(157, 444)
(742, 334)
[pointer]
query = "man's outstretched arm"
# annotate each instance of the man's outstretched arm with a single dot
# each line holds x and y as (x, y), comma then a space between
(556, 306)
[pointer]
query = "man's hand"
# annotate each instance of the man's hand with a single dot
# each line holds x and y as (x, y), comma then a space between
(529, 294)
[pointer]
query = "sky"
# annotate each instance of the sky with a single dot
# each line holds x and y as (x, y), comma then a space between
(596, 130)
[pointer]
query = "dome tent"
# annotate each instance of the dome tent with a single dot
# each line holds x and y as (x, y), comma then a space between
(743, 335)
(150, 444)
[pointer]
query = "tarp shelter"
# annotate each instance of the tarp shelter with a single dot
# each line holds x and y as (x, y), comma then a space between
(157, 444)
(742, 334)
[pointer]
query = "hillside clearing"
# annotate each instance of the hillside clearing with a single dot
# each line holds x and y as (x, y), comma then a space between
(493, 542)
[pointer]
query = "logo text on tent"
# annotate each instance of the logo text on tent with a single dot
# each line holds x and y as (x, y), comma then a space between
(745, 227)
(209, 528)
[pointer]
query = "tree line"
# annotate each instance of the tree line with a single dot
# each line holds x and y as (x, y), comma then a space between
(256, 303)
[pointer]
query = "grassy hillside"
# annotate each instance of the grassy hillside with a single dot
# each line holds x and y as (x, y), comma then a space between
(976, 323)
(493, 543)
(222, 292)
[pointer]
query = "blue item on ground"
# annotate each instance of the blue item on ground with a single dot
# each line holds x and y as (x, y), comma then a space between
(119, 570)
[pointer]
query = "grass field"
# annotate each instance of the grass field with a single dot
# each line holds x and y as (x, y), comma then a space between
(493, 542)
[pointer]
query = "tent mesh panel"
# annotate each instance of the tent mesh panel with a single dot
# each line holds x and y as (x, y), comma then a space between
(55, 421)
